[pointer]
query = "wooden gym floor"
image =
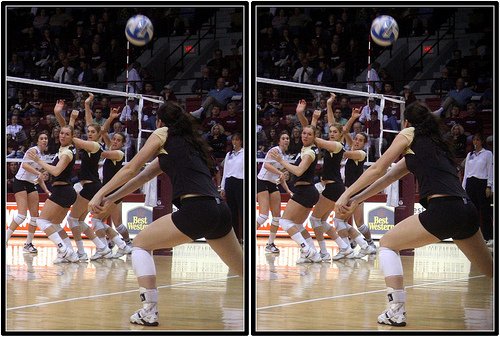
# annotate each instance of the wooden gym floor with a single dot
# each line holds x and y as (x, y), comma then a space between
(443, 292)
(196, 292)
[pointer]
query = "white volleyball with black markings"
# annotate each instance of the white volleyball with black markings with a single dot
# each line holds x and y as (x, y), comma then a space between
(139, 30)
(384, 30)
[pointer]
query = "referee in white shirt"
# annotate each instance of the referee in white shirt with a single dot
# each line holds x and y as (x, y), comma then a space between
(232, 183)
(478, 182)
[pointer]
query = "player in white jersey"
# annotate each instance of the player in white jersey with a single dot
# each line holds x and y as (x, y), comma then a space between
(26, 194)
(268, 195)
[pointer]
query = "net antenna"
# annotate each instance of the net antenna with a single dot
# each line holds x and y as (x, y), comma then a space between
(140, 97)
(381, 97)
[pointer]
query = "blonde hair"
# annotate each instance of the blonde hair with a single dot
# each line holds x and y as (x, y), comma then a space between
(221, 128)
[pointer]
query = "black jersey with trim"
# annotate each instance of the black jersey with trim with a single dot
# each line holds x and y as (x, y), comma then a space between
(186, 168)
(110, 168)
(353, 170)
(65, 175)
(308, 175)
(331, 165)
(435, 171)
(90, 164)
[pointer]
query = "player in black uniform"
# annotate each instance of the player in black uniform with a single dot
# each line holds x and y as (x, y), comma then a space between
(62, 197)
(184, 157)
(90, 154)
(449, 212)
(305, 194)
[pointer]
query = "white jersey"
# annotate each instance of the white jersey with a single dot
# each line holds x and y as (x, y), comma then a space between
(264, 174)
(22, 174)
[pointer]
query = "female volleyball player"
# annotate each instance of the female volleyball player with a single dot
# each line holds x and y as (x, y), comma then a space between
(113, 162)
(184, 157)
(305, 194)
(449, 212)
(90, 153)
(26, 194)
(268, 194)
(63, 195)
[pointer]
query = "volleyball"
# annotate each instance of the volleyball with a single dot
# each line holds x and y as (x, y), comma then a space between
(384, 30)
(139, 30)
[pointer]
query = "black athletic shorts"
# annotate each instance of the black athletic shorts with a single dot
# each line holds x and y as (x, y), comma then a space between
(63, 195)
(266, 185)
(203, 217)
(333, 191)
(90, 189)
(23, 185)
(450, 217)
(306, 195)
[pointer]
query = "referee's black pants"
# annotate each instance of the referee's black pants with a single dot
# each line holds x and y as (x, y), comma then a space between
(234, 197)
(476, 190)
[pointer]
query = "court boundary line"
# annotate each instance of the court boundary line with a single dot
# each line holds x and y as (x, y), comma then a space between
(362, 293)
(115, 293)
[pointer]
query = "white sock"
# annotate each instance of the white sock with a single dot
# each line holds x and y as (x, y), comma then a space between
(119, 242)
(79, 246)
(122, 229)
(149, 297)
(322, 246)
(8, 234)
(346, 240)
(98, 243)
(30, 237)
(341, 243)
(103, 239)
(67, 242)
(310, 242)
(361, 241)
(56, 238)
(297, 237)
(271, 238)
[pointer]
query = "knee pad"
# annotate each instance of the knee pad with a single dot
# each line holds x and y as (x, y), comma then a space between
(97, 224)
(276, 221)
(340, 224)
(142, 262)
(326, 225)
(33, 221)
(19, 218)
(363, 228)
(315, 222)
(43, 224)
(261, 219)
(83, 225)
(286, 224)
(72, 222)
(390, 262)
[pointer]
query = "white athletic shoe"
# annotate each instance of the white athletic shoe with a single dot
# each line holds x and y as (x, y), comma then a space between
(325, 257)
(29, 248)
(271, 248)
(82, 257)
(366, 251)
(65, 255)
(311, 254)
(148, 317)
(372, 244)
(347, 253)
(105, 253)
(303, 258)
(395, 315)
(120, 252)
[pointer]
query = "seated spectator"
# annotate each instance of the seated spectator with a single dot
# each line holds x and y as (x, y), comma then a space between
(372, 126)
(168, 93)
(98, 118)
(105, 106)
(295, 142)
(455, 117)
(233, 122)
(272, 136)
(389, 89)
(367, 110)
(216, 63)
(460, 95)
(455, 64)
(408, 95)
(471, 122)
(98, 63)
(217, 141)
(203, 84)
(345, 106)
(214, 118)
(442, 85)
(272, 121)
(337, 116)
(323, 75)
(261, 136)
(65, 74)
(219, 96)
(15, 67)
(14, 127)
(391, 116)
(53, 144)
(126, 113)
(11, 174)
(149, 89)
(458, 141)
(274, 101)
(337, 62)
(304, 74)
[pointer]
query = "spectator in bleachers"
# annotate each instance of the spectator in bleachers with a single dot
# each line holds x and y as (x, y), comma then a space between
(233, 122)
(337, 62)
(21, 104)
(126, 113)
(105, 107)
(219, 96)
(312, 52)
(372, 126)
(368, 109)
(408, 95)
(272, 120)
(458, 141)
(295, 142)
(53, 144)
(15, 67)
(454, 118)
(345, 107)
(354, 61)
(98, 118)
(444, 84)
(203, 84)
(168, 93)
(232, 82)
(65, 74)
(14, 127)
(274, 102)
(337, 116)
(279, 21)
(98, 63)
(85, 74)
(272, 137)
(215, 118)
(41, 19)
(217, 141)
(304, 74)
(216, 63)
(374, 82)
(323, 74)
(234, 63)
(460, 95)
(11, 173)
(298, 21)
(471, 122)
(455, 64)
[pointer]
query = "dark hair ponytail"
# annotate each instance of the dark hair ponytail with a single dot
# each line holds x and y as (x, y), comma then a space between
(427, 125)
(184, 125)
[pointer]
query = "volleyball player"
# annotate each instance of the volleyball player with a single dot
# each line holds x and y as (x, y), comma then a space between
(184, 157)
(113, 162)
(63, 195)
(353, 169)
(305, 194)
(89, 153)
(268, 194)
(449, 211)
(26, 194)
